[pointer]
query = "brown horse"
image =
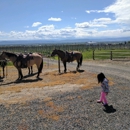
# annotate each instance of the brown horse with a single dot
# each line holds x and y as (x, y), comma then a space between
(24, 62)
(69, 57)
(30, 69)
(3, 63)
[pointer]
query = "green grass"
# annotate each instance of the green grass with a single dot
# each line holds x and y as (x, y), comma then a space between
(10, 63)
(106, 54)
(103, 54)
(99, 54)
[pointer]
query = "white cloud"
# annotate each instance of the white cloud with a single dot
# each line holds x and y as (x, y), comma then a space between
(54, 19)
(89, 24)
(36, 24)
(50, 32)
(46, 28)
(120, 9)
(102, 20)
(94, 11)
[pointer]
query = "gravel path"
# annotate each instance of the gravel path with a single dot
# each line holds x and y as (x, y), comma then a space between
(75, 110)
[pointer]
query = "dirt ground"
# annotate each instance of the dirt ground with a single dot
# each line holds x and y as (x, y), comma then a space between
(66, 100)
(12, 91)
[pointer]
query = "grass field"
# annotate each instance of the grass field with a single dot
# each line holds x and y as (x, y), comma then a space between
(106, 54)
(101, 54)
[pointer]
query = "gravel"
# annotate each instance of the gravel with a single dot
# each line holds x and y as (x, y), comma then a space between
(75, 110)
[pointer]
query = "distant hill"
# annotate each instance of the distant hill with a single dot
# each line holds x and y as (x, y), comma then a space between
(60, 41)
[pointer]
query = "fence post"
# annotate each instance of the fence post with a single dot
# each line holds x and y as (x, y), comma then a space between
(93, 55)
(111, 55)
(59, 63)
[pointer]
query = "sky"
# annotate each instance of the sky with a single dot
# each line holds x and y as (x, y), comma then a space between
(64, 19)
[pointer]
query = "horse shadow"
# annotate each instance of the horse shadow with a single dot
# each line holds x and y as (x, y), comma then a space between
(1, 79)
(23, 80)
(27, 80)
(109, 109)
(30, 75)
(80, 71)
(74, 71)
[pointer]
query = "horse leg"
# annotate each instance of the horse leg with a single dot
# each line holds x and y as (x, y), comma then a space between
(3, 71)
(64, 63)
(31, 69)
(40, 67)
(28, 71)
(20, 75)
(77, 68)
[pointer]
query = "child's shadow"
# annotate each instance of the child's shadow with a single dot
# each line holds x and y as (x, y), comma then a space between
(109, 109)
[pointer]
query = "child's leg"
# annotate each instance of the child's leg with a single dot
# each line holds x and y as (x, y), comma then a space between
(104, 98)
(101, 98)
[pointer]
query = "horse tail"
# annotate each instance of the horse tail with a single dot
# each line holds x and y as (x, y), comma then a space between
(81, 59)
(41, 66)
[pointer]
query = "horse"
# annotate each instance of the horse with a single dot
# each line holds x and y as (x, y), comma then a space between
(66, 56)
(30, 69)
(23, 62)
(3, 63)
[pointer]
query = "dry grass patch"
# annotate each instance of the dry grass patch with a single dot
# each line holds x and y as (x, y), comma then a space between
(52, 113)
(51, 82)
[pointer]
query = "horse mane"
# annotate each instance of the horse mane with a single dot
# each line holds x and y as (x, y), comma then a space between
(10, 54)
(60, 50)
(2, 58)
(3, 61)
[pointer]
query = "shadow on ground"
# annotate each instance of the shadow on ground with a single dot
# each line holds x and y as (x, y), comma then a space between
(109, 109)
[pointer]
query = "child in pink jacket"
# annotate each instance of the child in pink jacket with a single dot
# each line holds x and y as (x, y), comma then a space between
(105, 89)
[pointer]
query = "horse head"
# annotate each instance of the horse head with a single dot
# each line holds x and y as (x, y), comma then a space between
(2, 55)
(54, 52)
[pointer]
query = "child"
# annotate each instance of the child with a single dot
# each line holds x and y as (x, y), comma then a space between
(105, 88)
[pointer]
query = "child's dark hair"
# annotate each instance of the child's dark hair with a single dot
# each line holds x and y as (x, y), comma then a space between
(100, 77)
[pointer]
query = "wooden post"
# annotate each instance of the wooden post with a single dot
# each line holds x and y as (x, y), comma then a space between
(59, 63)
(111, 55)
(93, 55)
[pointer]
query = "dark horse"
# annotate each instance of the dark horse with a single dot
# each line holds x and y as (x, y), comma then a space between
(3, 63)
(69, 57)
(24, 62)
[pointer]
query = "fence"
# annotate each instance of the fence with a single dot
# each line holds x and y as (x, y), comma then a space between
(112, 55)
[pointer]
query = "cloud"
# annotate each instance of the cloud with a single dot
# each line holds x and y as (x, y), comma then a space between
(36, 24)
(94, 11)
(54, 19)
(50, 32)
(120, 9)
(89, 24)
(103, 21)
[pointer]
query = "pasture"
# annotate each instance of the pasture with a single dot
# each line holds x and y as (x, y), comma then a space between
(101, 50)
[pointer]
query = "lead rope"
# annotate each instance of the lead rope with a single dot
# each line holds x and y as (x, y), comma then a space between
(6, 70)
(0, 72)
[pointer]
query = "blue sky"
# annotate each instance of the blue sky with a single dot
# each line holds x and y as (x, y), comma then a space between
(62, 19)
